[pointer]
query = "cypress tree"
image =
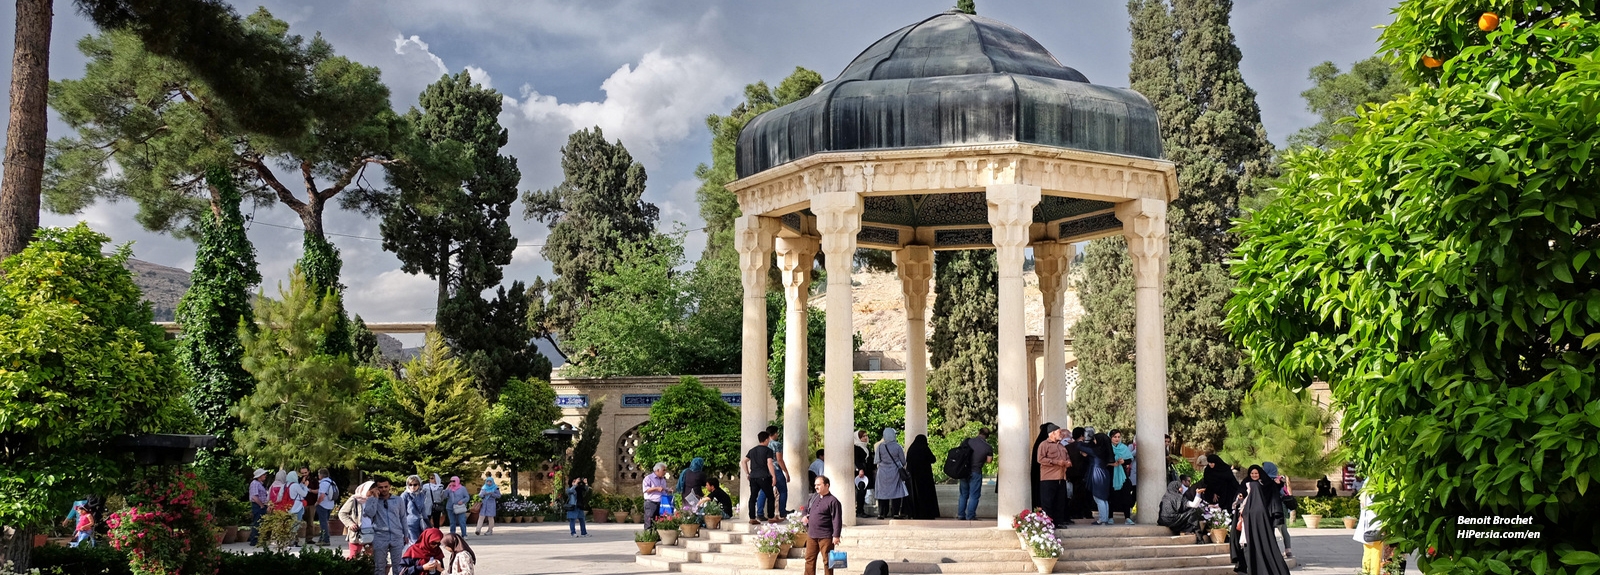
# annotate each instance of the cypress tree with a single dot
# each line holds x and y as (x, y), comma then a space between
(1211, 128)
(966, 6)
(583, 454)
(217, 303)
(965, 383)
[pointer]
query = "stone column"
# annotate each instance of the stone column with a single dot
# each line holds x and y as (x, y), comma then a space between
(1051, 262)
(753, 239)
(915, 265)
(795, 258)
(1144, 224)
(838, 221)
(1010, 215)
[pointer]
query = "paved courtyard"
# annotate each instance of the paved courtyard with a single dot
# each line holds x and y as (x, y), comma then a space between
(545, 549)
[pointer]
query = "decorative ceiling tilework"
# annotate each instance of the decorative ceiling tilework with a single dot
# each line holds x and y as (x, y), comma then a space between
(792, 221)
(966, 237)
(1089, 225)
(881, 236)
(897, 210)
(1056, 207)
(958, 209)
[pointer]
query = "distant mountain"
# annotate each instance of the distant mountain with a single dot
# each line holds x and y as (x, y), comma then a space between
(162, 286)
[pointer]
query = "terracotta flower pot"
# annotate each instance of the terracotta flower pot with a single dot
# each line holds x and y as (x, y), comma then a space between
(690, 530)
(767, 560)
(1219, 535)
(646, 547)
(1349, 523)
(713, 522)
(619, 515)
(336, 528)
(230, 534)
(783, 550)
(1314, 521)
(668, 536)
(1045, 564)
(600, 515)
(538, 519)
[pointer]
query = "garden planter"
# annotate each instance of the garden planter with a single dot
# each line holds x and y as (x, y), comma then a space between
(1314, 521)
(799, 539)
(600, 515)
(619, 516)
(668, 536)
(690, 530)
(1349, 523)
(1044, 564)
(783, 550)
(1219, 535)
(646, 547)
(230, 534)
(538, 519)
(767, 560)
(713, 522)
(472, 518)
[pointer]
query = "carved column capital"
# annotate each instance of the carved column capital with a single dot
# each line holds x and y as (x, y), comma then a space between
(795, 260)
(838, 220)
(1011, 213)
(1144, 224)
(1051, 262)
(915, 266)
(752, 237)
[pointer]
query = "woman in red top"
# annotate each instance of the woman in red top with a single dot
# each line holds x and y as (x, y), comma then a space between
(423, 557)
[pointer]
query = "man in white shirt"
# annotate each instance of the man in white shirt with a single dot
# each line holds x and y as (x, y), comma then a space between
(327, 499)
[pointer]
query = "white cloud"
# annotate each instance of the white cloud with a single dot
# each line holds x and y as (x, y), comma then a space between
(480, 76)
(649, 106)
(404, 45)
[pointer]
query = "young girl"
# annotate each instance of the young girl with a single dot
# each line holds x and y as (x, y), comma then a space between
(459, 558)
(85, 528)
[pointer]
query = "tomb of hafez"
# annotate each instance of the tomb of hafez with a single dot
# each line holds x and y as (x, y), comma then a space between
(954, 133)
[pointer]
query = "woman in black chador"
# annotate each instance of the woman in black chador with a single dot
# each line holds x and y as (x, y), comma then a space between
(919, 461)
(1251, 542)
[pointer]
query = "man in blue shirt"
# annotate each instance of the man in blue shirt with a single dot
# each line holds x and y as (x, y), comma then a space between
(384, 513)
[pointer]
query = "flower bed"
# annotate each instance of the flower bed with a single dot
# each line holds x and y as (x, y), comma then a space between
(167, 528)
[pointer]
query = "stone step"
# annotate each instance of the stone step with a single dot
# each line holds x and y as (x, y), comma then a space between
(678, 554)
(864, 542)
(992, 553)
(704, 546)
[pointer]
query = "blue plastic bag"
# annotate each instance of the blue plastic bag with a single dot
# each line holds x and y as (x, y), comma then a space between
(838, 560)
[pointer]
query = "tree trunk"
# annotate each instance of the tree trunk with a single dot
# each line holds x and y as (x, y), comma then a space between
(25, 137)
(16, 548)
(514, 479)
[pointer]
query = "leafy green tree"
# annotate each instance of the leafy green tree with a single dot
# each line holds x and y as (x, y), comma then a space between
(516, 424)
(1186, 63)
(583, 459)
(816, 351)
(965, 383)
(595, 208)
(81, 364)
(1437, 272)
(1282, 426)
(1337, 95)
(217, 303)
(966, 6)
(447, 220)
(434, 421)
(690, 420)
(307, 403)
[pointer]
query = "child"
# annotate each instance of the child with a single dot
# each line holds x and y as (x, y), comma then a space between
(85, 528)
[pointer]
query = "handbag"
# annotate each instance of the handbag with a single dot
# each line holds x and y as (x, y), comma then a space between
(838, 560)
(905, 475)
(459, 508)
(1372, 536)
(1291, 503)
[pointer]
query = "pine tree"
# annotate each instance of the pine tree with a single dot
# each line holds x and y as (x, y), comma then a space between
(1337, 95)
(217, 302)
(965, 382)
(364, 344)
(435, 419)
(595, 208)
(306, 406)
(1282, 426)
(1186, 63)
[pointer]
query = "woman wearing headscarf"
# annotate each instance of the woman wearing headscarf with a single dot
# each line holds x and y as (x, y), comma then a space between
(489, 494)
(1251, 545)
(1033, 473)
(692, 481)
(423, 557)
(350, 516)
(1121, 476)
(1221, 487)
(1176, 514)
(455, 505)
(460, 559)
(297, 506)
(414, 503)
(278, 494)
(1100, 478)
(436, 496)
(891, 486)
(919, 461)
(1277, 489)
(864, 472)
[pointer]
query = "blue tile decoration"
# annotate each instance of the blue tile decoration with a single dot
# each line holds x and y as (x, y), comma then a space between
(645, 400)
(573, 401)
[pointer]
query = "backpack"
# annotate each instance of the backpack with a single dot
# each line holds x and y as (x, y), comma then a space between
(958, 461)
(279, 498)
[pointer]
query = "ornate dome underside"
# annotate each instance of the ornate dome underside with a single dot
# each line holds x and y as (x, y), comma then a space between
(952, 80)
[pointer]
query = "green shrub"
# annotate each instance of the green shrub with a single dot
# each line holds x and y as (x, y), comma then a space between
(691, 420)
(101, 560)
(311, 561)
(277, 530)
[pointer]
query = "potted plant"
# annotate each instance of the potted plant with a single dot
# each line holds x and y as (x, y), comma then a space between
(713, 511)
(667, 526)
(619, 511)
(769, 540)
(797, 528)
(1045, 549)
(1217, 522)
(598, 503)
(688, 524)
(1030, 522)
(646, 540)
(1314, 508)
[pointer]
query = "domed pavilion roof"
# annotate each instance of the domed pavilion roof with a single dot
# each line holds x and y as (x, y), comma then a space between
(953, 79)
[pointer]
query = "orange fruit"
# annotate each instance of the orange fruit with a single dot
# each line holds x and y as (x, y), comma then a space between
(1488, 21)
(1431, 62)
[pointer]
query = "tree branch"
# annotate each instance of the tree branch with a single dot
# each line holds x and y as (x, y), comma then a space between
(271, 179)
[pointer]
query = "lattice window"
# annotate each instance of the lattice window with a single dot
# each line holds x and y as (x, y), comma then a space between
(629, 470)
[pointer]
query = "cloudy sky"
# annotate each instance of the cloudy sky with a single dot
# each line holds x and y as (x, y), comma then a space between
(648, 72)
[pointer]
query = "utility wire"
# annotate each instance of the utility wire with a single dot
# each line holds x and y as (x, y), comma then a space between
(252, 220)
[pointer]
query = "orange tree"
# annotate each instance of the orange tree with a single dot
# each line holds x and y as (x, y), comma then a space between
(1439, 272)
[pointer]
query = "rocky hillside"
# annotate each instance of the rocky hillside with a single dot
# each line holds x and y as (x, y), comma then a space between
(162, 286)
(880, 315)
